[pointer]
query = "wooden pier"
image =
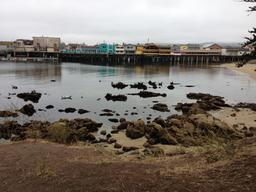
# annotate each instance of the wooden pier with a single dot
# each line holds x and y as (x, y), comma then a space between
(125, 59)
(149, 59)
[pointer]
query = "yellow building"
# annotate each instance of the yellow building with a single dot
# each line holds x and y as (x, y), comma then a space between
(183, 47)
(139, 50)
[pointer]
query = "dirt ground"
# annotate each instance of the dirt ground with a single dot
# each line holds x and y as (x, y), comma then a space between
(42, 166)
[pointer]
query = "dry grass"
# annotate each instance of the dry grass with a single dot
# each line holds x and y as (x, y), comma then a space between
(43, 171)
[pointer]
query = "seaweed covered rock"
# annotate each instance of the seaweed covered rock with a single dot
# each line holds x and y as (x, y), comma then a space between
(207, 101)
(139, 85)
(10, 128)
(28, 110)
(33, 96)
(8, 114)
(148, 94)
(110, 97)
(119, 85)
(251, 106)
(161, 107)
(136, 129)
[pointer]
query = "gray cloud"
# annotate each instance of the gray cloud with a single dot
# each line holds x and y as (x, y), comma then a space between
(93, 21)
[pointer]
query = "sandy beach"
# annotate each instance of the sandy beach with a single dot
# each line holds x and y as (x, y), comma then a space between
(248, 68)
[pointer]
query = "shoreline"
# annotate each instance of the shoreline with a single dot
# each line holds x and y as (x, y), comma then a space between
(164, 155)
(247, 68)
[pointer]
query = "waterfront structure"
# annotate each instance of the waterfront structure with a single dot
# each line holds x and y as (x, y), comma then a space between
(6, 46)
(129, 49)
(87, 49)
(139, 50)
(119, 49)
(23, 45)
(156, 49)
(234, 51)
(46, 44)
(105, 48)
(212, 47)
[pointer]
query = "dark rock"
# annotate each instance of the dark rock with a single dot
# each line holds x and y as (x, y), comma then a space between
(107, 114)
(70, 110)
(139, 85)
(122, 120)
(103, 132)
(115, 97)
(127, 149)
(28, 110)
(41, 110)
(233, 115)
(160, 121)
(90, 137)
(113, 120)
(123, 125)
(248, 133)
(114, 131)
(171, 87)
(33, 96)
(111, 140)
(53, 80)
(156, 134)
(136, 129)
(103, 140)
(251, 106)
(189, 86)
(207, 101)
(82, 111)
(49, 107)
(147, 94)
(134, 113)
(107, 111)
(117, 146)
(14, 87)
(61, 110)
(119, 85)
(8, 114)
(161, 107)
(10, 128)
(109, 136)
(153, 84)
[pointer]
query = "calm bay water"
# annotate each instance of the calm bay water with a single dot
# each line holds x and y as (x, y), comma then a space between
(87, 83)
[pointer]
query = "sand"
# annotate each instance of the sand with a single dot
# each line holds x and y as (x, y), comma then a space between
(248, 69)
(244, 117)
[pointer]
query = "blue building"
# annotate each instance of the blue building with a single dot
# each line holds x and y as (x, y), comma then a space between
(105, 48)
(87, 49)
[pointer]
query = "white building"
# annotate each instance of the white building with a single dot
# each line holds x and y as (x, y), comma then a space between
(129, 49)
(23, 45)
(46, 44)
(234, 51)
(119, 50)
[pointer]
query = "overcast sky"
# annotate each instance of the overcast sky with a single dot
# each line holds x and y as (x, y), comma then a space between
(134, 21)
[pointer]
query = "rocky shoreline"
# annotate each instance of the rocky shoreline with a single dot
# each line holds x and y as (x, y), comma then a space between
(194, 127)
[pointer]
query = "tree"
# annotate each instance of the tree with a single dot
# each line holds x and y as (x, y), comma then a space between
(251, 40)
(253, 8)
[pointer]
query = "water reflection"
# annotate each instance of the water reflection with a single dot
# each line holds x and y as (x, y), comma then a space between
(38, 71)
